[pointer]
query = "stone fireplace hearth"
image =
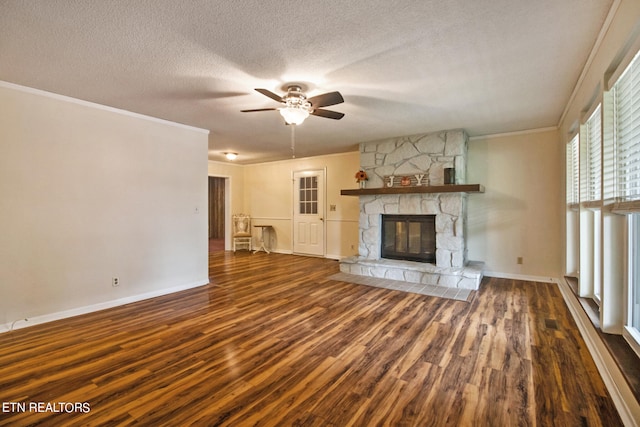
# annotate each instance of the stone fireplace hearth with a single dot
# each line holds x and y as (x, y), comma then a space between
(428, 155)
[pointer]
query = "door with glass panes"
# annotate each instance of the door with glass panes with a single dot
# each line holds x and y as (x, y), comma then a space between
(308, 212)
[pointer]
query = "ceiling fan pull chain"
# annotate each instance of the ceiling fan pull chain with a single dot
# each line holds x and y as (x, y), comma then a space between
(293, 141)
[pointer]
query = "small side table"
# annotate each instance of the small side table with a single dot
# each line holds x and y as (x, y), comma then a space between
(266, 232)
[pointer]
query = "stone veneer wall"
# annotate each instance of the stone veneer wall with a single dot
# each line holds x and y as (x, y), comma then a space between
(406, 155)
(429, 154)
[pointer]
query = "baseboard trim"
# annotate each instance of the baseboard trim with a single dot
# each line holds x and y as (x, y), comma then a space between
(525, 277)
(282, 251)
(45, 318)
(621, 394)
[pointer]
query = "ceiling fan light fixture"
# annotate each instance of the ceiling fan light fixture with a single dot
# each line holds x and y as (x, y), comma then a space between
(294, 115)
(231, 156)
(297, 107)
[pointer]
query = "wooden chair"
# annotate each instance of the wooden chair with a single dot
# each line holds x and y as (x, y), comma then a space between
(241, 231)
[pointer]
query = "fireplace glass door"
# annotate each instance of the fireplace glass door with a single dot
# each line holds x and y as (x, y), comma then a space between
(409, 237)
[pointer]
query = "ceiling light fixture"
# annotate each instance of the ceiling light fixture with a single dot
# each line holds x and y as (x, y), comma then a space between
(231, 156)
(294, 115)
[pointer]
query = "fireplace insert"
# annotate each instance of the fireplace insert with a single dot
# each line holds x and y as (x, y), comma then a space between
(409, 237)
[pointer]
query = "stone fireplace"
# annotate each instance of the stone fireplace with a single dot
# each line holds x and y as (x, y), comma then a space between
(428, 155)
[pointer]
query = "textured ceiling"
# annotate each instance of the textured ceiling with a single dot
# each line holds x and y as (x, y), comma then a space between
(403, 67)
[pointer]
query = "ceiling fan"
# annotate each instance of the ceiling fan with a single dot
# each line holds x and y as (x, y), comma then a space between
(298, 107)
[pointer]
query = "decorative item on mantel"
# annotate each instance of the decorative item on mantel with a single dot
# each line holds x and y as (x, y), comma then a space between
(449, 176)
(416, 180)
(361, 178)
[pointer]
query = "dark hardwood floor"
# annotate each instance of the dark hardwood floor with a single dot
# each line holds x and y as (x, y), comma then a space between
(216, 245)
(272, 342)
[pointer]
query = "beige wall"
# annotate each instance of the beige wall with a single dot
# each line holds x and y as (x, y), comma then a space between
(520, 213)
(90, 193)
(268, 197)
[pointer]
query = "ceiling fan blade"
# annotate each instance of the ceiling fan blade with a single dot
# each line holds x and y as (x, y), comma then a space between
(270, 94)
(328, 114)
(326, 99)
(258, 109)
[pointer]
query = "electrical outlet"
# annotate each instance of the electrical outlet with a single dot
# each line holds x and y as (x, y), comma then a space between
(519, 260)
(332, 208)
(115, 282)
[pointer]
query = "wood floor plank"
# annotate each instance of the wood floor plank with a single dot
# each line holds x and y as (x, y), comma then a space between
(271, 341)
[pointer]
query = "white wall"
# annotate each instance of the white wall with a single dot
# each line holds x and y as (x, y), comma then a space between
(90, 193)
(521, 212)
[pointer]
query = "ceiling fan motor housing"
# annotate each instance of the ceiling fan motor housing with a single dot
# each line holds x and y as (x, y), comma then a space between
(296, 99)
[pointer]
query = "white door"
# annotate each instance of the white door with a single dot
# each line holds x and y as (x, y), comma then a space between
(308, 212)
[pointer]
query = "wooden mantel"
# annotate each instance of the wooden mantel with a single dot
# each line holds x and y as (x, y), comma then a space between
(450, 188)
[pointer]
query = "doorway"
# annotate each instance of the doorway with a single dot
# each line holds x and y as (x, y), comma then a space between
(217, 197)
(308, 212)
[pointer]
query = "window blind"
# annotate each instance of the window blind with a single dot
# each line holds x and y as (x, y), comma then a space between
(569, 176)
(573, 172)
(627, 132)
(583, 167)
(608, 149)
(594, 155)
